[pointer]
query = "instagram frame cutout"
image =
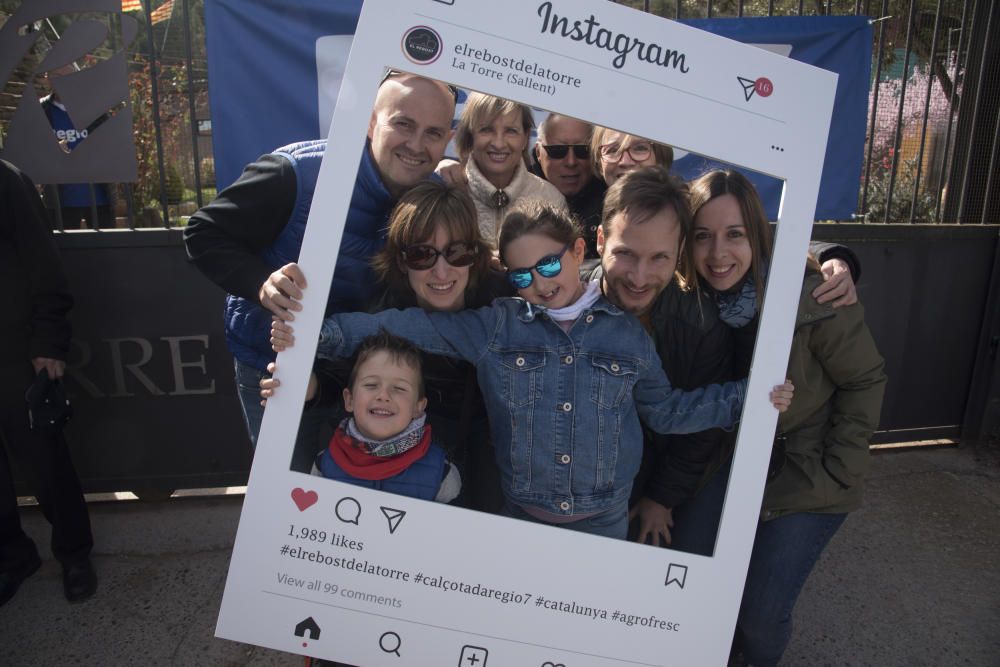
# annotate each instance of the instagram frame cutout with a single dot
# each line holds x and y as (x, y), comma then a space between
(332, 570)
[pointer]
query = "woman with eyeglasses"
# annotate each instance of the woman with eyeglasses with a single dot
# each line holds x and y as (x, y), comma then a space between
(615, 153)
(492, 140)
(565, 375)
(436, 260)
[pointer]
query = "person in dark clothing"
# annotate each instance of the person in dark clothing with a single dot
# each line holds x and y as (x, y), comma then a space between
(562, 157)
(34, 339)
(247, 239)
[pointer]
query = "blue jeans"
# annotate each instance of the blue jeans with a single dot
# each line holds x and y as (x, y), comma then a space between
(784, 553)
(609, 523)
(315, 427)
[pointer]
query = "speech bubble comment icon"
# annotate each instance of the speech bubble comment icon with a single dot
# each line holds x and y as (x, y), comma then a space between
(390, 642)
(348, 510)
(304, 499)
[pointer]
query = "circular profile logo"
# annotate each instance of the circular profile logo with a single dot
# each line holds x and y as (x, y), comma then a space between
(422, 45)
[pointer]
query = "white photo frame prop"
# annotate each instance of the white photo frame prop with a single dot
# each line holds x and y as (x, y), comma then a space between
(399, 581)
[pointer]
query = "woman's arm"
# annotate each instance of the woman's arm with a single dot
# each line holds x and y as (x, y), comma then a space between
(844, 346)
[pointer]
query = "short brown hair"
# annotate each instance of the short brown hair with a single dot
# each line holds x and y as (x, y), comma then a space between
(718, 183)
(664, 154)
(533, 216)
(643, 193)
(481, 109)
(400, 350)
(414, 219)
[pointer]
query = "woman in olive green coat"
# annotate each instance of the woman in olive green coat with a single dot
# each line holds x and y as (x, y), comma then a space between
(820, 456)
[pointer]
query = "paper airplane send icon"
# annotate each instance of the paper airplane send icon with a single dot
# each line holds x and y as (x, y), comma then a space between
(748, 86)
(393, 516)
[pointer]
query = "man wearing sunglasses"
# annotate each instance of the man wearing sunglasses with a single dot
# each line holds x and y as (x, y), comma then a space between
(562, 153)
(249, 237)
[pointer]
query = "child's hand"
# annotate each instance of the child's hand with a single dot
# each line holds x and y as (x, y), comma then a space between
(268, 384)
(781, 395)
(281, 335)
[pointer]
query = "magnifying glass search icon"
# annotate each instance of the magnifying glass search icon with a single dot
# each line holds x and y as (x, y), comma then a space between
(390, 642)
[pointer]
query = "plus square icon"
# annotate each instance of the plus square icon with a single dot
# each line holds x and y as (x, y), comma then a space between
(473, 656)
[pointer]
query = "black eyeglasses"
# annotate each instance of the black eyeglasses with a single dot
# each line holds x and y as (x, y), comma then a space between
(614, 152)
(559, 151)
(389, 73)
(421, 257)
(549, 266)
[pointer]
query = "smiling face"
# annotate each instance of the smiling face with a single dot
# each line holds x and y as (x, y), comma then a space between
(639, 259)
(617, 154)
(722, 253)
(441, 287)
(385, 396)
(569, 174)
(498, 147)
(555, 292)
(409, 130)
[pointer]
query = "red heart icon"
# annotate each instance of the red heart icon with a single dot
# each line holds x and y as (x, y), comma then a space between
(304, 499)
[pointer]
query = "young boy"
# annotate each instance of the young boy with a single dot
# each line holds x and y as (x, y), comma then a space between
(385, 444)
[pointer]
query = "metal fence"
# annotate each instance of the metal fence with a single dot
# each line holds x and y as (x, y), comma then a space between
(168, 97)
(933, 137)
(932, 144)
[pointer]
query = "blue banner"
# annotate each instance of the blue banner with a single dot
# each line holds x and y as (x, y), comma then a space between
(266, 59)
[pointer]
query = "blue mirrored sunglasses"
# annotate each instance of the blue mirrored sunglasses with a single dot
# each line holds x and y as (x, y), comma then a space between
(547, 267)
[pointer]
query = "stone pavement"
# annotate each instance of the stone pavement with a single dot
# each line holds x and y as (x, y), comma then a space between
(912, 579)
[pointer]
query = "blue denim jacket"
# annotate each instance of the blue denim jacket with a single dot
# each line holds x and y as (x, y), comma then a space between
(564, 407)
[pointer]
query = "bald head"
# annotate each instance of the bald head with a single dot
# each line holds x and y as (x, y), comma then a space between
(409, 129)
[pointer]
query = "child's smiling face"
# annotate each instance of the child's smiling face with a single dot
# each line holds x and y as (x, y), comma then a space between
(554, 292)
(385, 396)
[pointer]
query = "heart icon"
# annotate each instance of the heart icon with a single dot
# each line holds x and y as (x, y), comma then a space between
(552, 664)
(304, 499)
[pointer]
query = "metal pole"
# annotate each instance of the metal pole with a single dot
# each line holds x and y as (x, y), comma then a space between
(871, 124)
(153, 76)
(899, 114)
(952, 111)
(927, 106)
(191, 108)
(975, 112)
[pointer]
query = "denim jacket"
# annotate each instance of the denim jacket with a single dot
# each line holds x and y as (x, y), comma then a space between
(564, 407)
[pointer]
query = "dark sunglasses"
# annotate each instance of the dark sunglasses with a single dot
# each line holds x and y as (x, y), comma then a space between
(559, 151)
(422, 257)
(389, 73)
(547, 267)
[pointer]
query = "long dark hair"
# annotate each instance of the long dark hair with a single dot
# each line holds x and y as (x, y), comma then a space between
(718, 183)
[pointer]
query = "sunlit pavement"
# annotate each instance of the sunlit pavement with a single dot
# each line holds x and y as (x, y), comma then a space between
(911, 579)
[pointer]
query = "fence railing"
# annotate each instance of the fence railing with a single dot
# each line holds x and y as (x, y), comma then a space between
(931, 149)
(932, 143)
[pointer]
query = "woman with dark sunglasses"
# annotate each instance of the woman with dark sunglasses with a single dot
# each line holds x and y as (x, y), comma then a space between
(565, 374)
(435, 259)
(492, 140)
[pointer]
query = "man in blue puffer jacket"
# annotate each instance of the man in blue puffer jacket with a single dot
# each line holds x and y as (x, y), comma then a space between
(245, 239)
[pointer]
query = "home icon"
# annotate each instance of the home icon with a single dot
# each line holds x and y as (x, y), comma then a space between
(309, 625)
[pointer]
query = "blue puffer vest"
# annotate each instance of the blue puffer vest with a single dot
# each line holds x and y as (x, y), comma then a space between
(421, 480)
(248, 325)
